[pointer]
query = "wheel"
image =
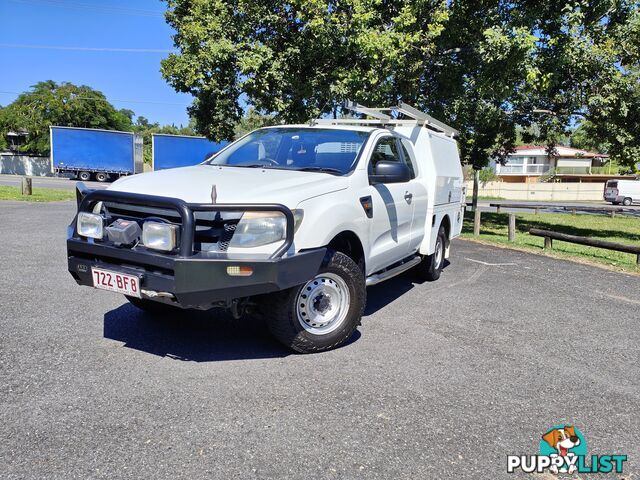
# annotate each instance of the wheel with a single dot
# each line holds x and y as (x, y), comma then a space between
(626, 202)
(324, 312)
(431, 266)
(615, 203)
(151, 306)
(84, 176)
(102, 177)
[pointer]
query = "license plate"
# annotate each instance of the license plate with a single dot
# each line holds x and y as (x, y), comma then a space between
(116, 282)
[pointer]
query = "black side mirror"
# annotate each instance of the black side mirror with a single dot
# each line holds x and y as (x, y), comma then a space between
(390, 172)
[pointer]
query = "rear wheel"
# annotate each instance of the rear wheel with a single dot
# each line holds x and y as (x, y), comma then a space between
(324, 312)
(626, 202)
(615, 203)
(102, 177)
(431, 266)
(84, 176)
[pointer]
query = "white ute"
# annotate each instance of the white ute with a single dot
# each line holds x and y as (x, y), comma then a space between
(295, 221)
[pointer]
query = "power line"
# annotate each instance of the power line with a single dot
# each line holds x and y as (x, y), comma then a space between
(94, 8)
(94, 99)
(88, 49)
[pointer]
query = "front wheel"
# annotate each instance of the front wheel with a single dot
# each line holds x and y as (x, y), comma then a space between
(431, 266)
(324, 312)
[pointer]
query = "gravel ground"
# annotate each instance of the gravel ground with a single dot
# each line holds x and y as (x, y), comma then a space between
(443, 380)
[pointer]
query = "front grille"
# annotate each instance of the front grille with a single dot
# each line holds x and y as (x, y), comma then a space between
(213, 232)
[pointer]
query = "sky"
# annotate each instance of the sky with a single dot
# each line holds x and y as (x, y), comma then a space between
(130, 80)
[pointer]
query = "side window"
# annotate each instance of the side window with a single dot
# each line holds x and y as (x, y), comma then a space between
(409, 160)
(385, 150)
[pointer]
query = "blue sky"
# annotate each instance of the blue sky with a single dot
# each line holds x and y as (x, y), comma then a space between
(132, 24)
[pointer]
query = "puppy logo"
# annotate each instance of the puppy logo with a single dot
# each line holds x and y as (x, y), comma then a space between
(563, 441)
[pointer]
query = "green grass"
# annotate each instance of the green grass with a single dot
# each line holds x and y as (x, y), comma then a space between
(486, 197)
(39, 194)
(619, 229)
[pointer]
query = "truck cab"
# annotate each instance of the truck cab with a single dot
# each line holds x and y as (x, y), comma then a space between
(295, 221)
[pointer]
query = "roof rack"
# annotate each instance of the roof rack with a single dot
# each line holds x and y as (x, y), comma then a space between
(380, 116)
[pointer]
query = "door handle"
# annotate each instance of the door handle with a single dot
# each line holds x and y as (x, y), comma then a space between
(408, 196)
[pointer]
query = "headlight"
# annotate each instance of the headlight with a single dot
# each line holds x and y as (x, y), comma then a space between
(90, 225)
(262, 228)
(160, 236)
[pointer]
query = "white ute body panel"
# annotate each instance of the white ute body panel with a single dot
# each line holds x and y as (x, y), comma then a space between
(406, 216)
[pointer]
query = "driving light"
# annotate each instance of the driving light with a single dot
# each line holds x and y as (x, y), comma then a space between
(160, 236)
(90, 225)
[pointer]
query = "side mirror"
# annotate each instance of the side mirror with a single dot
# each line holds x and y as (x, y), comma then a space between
(390, 172)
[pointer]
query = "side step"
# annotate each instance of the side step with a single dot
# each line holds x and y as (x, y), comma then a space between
(392, 272)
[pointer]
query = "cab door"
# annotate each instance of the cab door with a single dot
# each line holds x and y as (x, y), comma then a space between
(391, 223)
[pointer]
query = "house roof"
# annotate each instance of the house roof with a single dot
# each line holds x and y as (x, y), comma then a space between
(563, 151)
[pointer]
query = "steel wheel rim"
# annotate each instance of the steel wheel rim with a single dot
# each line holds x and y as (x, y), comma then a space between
(439, 253)
(322, 304)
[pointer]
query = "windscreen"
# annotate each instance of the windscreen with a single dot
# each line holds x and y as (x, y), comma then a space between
(612, 184)
(309, 149)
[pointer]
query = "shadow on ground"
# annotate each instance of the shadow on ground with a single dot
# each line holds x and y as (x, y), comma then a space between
(215, 335)
(195, 336)
(191, 335)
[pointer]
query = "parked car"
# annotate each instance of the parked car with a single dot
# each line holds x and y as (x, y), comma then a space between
(294, 221)
(622, 191)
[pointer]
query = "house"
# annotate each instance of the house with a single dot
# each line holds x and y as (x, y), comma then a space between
(530, 162)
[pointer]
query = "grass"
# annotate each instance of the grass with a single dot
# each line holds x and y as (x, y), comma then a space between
(620, 229)
(39, 194)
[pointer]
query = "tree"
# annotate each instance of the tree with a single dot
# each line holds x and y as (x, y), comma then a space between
(49, 103)
(486, 67)
(295, 59)
(587, 72)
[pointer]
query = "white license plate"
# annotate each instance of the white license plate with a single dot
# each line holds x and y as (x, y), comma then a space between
(116, 282)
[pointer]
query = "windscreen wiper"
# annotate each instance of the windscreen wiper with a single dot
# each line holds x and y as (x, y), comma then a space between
(320, 169)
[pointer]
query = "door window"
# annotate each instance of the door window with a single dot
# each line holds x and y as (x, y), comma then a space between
(408, 160)
(385, 150)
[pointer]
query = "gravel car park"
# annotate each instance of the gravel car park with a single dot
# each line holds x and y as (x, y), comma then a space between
(445, 381)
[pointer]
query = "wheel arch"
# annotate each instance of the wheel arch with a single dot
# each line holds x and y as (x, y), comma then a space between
(349, 243)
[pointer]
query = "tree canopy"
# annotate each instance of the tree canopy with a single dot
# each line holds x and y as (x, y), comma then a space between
(485, 67)
(64, 104)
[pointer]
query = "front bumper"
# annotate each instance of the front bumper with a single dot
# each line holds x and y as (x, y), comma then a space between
(189, 278)
(197, 282)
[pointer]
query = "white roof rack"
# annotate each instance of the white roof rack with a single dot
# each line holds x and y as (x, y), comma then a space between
(379, 117)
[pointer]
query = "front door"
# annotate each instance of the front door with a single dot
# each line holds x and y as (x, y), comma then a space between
(390, 229)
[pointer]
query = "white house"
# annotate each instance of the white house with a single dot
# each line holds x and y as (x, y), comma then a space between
(529, 162)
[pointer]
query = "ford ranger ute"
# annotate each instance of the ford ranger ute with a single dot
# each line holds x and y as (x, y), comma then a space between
(293, 221)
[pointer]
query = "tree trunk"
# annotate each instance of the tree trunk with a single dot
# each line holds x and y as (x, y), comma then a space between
(476, 181)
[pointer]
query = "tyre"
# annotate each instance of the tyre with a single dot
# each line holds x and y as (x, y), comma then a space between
(431, 266)
(324, 312)
(615, 203)
(151, 306)
(102, 177)
(84, 176)
(627, 201)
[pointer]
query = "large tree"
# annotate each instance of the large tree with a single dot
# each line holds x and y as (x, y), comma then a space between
(587, 73)
(484, 66)
(295, 59)
(50, 103)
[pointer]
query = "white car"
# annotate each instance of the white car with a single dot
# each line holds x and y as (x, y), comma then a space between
(293, 220)
(623, 192)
